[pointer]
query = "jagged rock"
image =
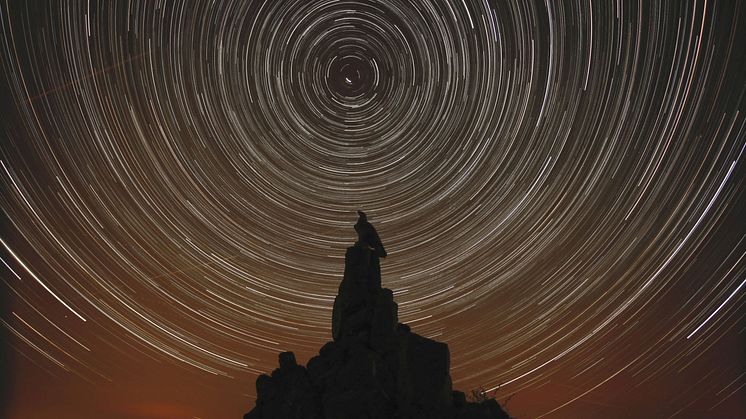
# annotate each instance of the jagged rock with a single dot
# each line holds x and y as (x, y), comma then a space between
(287, 360)
(358, 291)
(429, 363)
(459, 399)
(488, 409)
(384, 321)
(375, 368)
(287, 394)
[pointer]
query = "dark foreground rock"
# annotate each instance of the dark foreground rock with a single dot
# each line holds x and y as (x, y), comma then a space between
(375, 368)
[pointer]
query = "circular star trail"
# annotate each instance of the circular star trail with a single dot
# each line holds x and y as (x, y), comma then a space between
(559, 186)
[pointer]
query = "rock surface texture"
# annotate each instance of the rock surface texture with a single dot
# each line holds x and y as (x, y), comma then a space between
(375, 368)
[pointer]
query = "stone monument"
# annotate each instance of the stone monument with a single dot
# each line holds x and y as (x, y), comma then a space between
(376, 367)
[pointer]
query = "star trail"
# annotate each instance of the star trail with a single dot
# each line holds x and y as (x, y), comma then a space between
(559, 187)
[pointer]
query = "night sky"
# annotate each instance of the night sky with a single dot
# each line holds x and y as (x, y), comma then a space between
(559, 186)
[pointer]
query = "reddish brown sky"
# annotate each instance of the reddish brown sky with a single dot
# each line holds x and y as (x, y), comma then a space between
(560, 189)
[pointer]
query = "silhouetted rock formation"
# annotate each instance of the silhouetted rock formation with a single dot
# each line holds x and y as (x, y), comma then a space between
(375, 368)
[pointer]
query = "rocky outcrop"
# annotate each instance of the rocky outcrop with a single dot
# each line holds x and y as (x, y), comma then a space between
(375, 368)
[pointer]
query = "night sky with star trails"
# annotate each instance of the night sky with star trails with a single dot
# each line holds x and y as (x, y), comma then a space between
(559, 185)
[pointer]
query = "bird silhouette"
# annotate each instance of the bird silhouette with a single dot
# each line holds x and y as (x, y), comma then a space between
(367, 234)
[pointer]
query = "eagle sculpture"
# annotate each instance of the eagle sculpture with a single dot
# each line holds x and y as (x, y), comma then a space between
(367, 235)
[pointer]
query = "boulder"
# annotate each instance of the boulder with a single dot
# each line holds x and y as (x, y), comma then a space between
(286, 394)
(429, 363)
(355, 300)
(384, 320)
